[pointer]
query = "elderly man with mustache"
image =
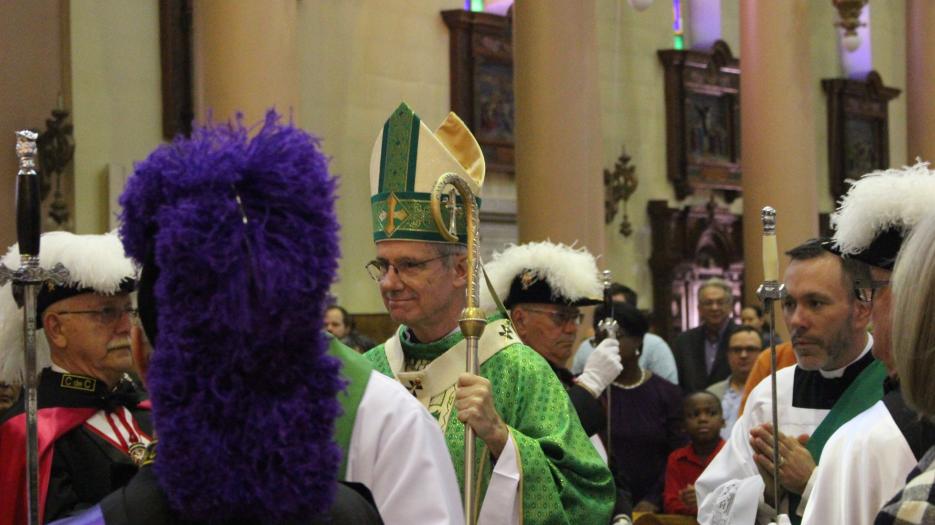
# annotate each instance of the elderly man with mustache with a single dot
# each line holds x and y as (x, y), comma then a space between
(93, 430)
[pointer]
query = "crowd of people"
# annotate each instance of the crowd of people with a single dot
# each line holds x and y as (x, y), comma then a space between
(204, 330)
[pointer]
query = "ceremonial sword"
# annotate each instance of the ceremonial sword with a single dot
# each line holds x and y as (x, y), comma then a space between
(607, 325)
(769, 292)
(26, 282)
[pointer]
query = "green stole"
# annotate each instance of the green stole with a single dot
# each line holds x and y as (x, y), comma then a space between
(356, 371)
(861, 394)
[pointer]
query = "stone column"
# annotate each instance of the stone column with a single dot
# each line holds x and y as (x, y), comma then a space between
(559, 177)
(778, 112)
(245, 58)
(920, 80)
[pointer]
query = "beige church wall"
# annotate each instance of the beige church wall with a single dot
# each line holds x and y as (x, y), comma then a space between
(357, 61)
(888, 24)
(633, 109)
(633, 116)
(116, 99)
(31, 82)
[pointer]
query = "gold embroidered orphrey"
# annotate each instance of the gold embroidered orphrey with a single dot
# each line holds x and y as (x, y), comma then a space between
(433, 382)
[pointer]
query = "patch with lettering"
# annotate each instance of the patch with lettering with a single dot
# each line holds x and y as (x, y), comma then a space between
(85, 384)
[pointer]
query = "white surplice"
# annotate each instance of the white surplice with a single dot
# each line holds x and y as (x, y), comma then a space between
(735, 460)
(399, 453)
(863, 465)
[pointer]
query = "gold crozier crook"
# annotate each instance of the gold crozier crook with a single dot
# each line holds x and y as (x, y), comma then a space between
(472, 320)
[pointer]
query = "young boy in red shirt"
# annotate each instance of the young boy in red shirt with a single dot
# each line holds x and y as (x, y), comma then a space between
(703, 422)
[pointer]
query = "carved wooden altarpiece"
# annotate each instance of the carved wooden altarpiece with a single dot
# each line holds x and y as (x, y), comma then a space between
(858, 128)
(481, 52)
(702, 93)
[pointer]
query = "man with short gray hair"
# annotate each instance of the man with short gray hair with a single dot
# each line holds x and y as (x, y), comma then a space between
(701, 353)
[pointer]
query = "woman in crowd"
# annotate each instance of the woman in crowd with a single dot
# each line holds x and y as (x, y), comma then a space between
(646, 414)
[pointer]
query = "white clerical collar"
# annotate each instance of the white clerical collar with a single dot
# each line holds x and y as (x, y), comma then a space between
(839, 372)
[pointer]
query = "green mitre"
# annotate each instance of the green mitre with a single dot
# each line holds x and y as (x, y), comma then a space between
(407, 160)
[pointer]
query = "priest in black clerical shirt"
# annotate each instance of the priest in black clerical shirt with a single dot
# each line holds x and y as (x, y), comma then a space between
(836, 378)
(888, 439)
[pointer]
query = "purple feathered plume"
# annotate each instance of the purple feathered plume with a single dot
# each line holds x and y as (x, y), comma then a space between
(243, 390)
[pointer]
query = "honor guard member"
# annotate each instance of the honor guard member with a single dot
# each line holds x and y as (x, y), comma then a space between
(93, 424)
(866, 461)
(259, 411)
(836, 377)
(534, 461)
(544, 285)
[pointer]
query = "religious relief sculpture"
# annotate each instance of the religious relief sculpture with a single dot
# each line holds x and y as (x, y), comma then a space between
(702, 93)
(858, 128)
(482, 81)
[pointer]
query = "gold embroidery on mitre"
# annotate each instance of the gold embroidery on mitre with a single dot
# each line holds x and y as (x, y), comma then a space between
(394, 216)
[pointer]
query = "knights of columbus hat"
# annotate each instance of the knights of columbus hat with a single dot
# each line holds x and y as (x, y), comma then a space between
(407, 160)
(879, 210)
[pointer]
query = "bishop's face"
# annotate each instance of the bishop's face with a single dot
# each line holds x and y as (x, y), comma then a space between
(421, 289)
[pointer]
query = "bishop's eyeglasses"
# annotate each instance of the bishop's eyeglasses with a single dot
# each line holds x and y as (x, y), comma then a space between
(405, 268)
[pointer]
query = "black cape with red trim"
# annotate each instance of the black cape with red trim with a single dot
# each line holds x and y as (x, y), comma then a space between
(77, 468)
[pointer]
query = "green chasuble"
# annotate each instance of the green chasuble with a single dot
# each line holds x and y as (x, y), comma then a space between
(355, 370)
(563, 480)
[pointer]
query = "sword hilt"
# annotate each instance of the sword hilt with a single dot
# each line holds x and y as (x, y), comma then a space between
(27, 194)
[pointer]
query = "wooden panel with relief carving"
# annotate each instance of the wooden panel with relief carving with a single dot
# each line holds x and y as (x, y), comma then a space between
(702, 93)
(482, 81)
(858, 128)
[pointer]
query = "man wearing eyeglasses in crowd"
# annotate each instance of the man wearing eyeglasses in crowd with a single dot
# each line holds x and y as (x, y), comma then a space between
(93, 430)
(701, 353)
(743, 347)
(535, 463)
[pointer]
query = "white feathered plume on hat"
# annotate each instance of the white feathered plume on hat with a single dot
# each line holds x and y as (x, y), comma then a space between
(93, 261)
(882, 200)
(571, 272)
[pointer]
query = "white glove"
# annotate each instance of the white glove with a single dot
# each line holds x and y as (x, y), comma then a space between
(602, 367)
